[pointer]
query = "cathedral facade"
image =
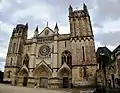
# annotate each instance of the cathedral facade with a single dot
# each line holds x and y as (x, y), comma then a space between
(50, 59)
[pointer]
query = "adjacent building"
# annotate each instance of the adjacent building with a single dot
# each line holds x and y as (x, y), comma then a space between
(108, 73)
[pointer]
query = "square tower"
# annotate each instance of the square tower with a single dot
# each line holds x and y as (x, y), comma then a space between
(83, 49)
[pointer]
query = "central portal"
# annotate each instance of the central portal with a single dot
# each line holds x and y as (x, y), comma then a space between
(65, 82)
(43, 82)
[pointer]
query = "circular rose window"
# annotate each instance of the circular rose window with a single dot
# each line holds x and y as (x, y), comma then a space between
(44, 50)
(46, 32)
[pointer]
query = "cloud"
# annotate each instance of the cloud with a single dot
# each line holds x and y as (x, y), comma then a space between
(98, 25)
(4, 5)
(98, 44)
(108, 9)
(3, 44)
(3, 36)
(112, 26)
(111, 38)
(3, 52)
(6, 27)
(2, 59)
(38, 12)
(106, 15)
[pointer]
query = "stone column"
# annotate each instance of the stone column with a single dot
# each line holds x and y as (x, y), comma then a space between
(55, 56)
(54, 81)
(32, 63)
(33, 54)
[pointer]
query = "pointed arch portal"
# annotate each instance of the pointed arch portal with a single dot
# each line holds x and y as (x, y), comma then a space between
(24, 75)
(65, 73)
(42, 72)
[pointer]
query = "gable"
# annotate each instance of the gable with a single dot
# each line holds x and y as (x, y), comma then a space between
(46, 32)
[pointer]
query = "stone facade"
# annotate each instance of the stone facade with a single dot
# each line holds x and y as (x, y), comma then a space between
(50, 59)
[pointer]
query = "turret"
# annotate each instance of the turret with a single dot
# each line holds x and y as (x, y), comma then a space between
(85, 8)
(15, 51)
(56, 29)
(26, 26)
(20, 31)
(36, 32)
(70, 9)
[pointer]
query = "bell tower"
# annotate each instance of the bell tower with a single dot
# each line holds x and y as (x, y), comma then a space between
(80, 24)
(15, 51)
(83, 49)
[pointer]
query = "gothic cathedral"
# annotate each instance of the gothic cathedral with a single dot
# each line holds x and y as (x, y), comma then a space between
(50, 59)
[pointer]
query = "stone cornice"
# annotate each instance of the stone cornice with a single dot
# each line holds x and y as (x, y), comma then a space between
(85, 65)
(12, 67)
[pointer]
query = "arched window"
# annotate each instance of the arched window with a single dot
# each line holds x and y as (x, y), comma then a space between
(26, 60)
(66, 57)
(11, 61)
(63, 59)
(83, 53)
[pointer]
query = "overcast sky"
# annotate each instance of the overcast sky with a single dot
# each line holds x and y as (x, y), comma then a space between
(105, 17)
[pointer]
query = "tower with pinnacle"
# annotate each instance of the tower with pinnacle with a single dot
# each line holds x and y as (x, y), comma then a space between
(83, 49)
(15, 51)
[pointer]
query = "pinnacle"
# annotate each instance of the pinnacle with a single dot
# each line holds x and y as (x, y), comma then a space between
(36, 28)
(70, 6)
(56, 26)
(26, 25)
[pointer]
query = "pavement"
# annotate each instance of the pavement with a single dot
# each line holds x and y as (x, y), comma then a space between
(4, 88)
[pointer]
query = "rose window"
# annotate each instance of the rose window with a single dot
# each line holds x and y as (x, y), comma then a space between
(44, 50)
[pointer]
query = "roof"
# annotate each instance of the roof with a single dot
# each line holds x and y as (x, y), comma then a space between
(116, 49)
(106, 60)
(20, 25)
(104, 50)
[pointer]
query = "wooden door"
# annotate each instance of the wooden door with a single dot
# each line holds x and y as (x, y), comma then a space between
(25, 81)
(65, 82)
(44, 82)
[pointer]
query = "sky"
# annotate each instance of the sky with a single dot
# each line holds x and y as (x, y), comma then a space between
(105, 18)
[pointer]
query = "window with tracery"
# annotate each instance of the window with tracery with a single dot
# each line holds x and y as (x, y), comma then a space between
(26, 60)
(66, 57)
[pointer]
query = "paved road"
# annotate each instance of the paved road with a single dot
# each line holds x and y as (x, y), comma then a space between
(16, 89)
